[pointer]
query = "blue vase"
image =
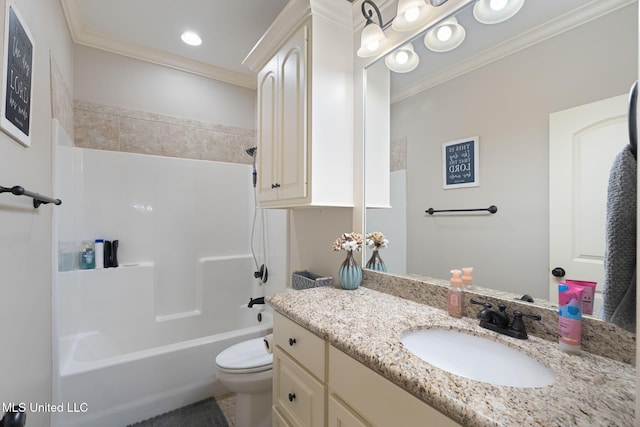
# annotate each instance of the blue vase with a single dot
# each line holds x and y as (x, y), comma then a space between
(376, 263)
(350, 273)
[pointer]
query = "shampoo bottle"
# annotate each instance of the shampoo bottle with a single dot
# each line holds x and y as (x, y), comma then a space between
(99, 253)
(454, 297)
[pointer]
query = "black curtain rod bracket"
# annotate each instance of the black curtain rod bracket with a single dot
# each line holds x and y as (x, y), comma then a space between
(37, 198)
(491, 209)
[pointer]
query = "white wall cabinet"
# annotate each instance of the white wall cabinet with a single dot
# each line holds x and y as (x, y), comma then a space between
(305, 106)
(282, 137)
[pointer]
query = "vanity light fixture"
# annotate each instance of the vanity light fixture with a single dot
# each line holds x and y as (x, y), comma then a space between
(403, 59)
(411, 14)
(496, 11)
(372, 39)
(446, 36)
(191, 38)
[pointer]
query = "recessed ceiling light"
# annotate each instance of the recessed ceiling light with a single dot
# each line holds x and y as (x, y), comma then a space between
(191, 38)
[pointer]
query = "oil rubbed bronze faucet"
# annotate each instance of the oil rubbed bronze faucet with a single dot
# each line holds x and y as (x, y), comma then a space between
(252, 302)
(498, 321)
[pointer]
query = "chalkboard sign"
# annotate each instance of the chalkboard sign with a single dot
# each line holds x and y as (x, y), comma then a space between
(17, 77)
(461, 162)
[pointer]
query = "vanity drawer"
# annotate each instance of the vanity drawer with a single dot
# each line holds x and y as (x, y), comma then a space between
(305, 347)
(297, 394)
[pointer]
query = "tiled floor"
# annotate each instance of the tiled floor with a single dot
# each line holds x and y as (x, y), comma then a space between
(227, 403)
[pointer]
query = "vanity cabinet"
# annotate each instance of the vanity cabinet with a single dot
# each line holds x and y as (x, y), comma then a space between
(304, 111)
(359, 396)
(299, 371)
(312, 379)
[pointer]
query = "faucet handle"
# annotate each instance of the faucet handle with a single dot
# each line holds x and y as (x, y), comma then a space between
(518, 325)
(485, 313)
(485, 304)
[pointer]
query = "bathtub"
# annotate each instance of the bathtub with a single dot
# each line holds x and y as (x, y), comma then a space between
(99, 386)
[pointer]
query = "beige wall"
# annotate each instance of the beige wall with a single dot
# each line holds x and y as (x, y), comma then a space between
(507, 104)
(25, 232)
(105, 78)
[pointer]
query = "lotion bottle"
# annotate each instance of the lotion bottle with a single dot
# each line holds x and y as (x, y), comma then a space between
(454, 297)
(467, 280)
(570, 317)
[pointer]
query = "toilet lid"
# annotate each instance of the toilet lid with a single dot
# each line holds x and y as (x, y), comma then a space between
(247, 356)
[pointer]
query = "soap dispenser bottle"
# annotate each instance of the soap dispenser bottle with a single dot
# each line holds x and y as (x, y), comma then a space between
(454, 297)
(467, 280)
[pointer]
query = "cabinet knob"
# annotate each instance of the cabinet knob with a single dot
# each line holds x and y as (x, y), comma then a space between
(292, 341)
(558, 272)
(292, 397)
(276, 185)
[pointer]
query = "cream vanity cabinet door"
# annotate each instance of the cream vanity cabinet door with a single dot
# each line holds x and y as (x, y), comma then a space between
(298, 375)
(282, 124)
(366, 398)
(339, 415)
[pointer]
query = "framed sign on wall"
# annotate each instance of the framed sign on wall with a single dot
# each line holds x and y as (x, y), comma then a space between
(461, 163)
(17, 77)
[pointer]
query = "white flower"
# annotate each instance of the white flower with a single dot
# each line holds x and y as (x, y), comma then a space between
(348, 242)
(376, 241)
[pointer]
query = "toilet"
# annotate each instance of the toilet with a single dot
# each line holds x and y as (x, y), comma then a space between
(246, 369)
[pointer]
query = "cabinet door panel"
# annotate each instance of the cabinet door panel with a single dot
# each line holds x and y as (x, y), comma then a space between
(293, 120)
(267, 131)
(278, 420)
(341, 416)
(298, 394)
(377, 399)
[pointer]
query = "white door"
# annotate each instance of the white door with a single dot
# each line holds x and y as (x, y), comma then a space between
(583, 143)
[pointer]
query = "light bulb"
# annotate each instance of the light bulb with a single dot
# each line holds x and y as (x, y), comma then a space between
(497, 5)
(402, 57)
(191, 38)
(373, 45)
(444, 33)
(411, 14)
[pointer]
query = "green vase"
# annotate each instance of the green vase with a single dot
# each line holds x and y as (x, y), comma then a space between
(350, 273)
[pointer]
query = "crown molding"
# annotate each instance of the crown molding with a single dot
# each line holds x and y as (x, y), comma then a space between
(74, 15)
(589, 12)
(289, 19)
(281, 28)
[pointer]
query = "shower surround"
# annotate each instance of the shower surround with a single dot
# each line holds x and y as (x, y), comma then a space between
(141, 339)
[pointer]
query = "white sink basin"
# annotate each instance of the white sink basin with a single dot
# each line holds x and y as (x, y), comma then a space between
(477, 358)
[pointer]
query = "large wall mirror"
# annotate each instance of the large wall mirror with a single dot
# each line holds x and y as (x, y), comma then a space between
(500, 85)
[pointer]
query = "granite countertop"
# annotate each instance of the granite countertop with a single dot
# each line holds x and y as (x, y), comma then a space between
(368, 325)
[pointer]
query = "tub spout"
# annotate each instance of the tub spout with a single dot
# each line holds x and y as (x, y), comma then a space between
(253, 301)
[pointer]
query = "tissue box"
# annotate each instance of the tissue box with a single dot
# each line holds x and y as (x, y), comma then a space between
(306, 280)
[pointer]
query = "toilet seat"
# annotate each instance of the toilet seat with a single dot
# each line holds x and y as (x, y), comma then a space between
(245, 357)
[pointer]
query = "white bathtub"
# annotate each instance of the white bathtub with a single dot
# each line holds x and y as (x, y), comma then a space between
(120, 389)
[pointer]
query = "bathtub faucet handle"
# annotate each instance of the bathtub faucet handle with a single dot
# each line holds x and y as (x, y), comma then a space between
(253, 301)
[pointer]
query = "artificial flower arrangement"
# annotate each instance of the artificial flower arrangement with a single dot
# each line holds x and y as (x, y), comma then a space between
(348, 242)
(376, 241)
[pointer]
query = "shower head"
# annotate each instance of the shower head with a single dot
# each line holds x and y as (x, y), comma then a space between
(251, 151)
